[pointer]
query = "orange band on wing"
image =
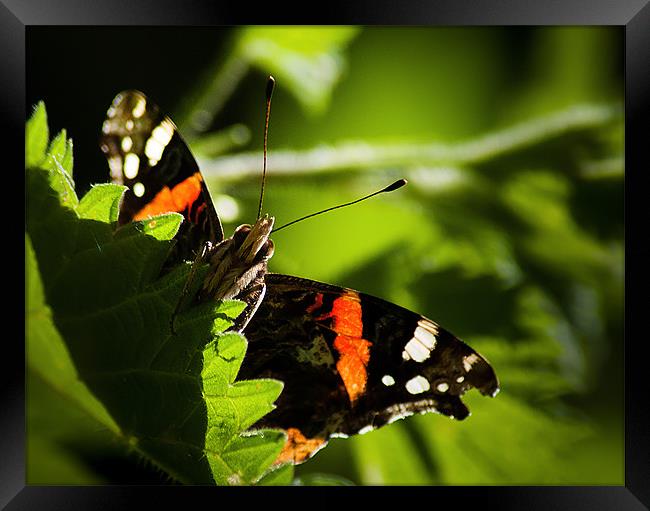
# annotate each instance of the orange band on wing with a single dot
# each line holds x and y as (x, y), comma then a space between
(353, 349)
(178, 199)
(298, 448)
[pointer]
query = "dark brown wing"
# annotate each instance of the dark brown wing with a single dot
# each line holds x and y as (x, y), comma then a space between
(351, 362)
(146, 153)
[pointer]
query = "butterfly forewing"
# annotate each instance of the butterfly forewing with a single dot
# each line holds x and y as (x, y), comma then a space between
(146, 152)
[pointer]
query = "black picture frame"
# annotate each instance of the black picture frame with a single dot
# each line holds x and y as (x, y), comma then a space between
(633, 15)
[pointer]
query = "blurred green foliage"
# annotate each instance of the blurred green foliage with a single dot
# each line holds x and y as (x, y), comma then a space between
(510, 233)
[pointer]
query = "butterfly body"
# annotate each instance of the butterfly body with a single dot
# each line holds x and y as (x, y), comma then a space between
(237, 267)
(350, 362)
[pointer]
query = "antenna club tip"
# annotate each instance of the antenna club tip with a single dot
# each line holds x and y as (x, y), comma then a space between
(397, 184)
(270, 85)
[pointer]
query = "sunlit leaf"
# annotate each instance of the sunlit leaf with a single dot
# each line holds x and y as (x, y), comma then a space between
(389, 456)
(308, 60)
(47, 353)
(93, 205)
(322, 480)
(37, 135)
(487, 447)
(116, 355)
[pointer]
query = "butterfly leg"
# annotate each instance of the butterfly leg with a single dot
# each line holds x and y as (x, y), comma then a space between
(200, 257)
(253, 296)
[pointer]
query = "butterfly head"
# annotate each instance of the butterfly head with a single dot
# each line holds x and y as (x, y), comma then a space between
(252, 242)
(239, 262)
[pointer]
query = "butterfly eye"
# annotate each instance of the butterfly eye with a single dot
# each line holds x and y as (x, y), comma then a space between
(268, 249)
(241, 233)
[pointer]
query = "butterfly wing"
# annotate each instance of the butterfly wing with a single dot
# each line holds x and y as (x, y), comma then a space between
(146, 152)
(351, 362)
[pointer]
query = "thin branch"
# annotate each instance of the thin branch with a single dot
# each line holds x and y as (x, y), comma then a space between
(210, 98)
(359, 155)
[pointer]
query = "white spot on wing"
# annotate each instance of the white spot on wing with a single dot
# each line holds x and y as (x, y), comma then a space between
(425, 337)
(129, 124)
(388, 380)
(138, 109)
(417, 385)
(115, 164)
(469, 361)
(127, 144)
(442, 387)
(416, 350)
(160, 137)
(131, 165)
(138, 189)
(163, 132)
(153, 150)
(460, 379)
(429, 325)
(366, 429)
(401, 410)
(422, 343)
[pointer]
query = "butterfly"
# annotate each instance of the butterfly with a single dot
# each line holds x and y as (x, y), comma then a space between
(350, 362)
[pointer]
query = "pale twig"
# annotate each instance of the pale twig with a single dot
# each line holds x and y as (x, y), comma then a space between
(359, 155)
(205, 105)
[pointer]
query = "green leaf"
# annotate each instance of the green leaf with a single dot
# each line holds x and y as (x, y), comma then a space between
(282, 476)
(57, 159)
(50, 464)
(67, 160)
(487, 447)
(36, 136)
(48, 355)
(322, 480)
(62, 183)
(162, 227)
(308, 60)
(56, 150)
(399, 464)
(235, 406)
(170, 395)
(247, 456)
(102, 203)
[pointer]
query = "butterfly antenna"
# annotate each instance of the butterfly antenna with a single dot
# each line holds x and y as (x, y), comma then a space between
(390, 188)
(270, 84)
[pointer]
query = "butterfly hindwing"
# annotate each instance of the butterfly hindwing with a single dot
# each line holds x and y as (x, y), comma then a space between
(146, 152)
(352, 362)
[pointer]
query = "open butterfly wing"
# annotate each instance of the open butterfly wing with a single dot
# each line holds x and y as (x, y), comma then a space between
(146, 152)
(352, 362)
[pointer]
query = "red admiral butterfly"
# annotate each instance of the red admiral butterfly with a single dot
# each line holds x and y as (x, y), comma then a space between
(350, 362)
